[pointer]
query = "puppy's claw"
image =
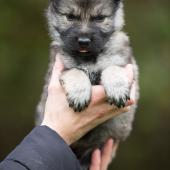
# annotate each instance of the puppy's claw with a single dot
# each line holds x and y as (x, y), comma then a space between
(127, 97)
(120, 103)
(78, 107)
(111, 101)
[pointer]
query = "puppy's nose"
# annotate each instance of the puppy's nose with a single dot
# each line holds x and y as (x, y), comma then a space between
(84, 41)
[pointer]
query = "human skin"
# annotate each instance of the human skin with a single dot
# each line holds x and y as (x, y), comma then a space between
(102, 158)
(72, 126)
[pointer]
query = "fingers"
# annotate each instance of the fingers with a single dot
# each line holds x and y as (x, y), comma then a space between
(129, 103)
(129, 73)
(96, 160)
(133, 92)
(56, 72)
(101, 160)
(98, 94)
(132, 83)
(106, 155)
(115, 112)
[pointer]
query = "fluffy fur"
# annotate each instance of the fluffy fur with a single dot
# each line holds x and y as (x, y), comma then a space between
(89, 35)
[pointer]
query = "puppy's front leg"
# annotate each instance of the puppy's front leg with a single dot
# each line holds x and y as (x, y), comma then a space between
(77, 87)
(116, 84)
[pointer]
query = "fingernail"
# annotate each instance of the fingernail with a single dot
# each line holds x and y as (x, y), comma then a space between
(130, 102)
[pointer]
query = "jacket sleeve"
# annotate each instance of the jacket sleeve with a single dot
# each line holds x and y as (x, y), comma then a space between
(42, 149)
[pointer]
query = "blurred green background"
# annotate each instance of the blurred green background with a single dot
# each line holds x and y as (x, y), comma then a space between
(24, 46)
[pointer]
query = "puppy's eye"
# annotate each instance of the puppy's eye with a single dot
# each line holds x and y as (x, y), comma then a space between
(99, 18)
(72, 17)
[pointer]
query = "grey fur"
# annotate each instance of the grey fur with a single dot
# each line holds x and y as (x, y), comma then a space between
(109, 50)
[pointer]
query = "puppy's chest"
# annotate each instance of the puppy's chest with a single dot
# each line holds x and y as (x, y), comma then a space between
(93, 74)
(94, 70)
(95, 77)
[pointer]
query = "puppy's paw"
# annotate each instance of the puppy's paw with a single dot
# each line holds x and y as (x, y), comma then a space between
(78, 89)
(119, 97)
(116, 84)
(79, 97)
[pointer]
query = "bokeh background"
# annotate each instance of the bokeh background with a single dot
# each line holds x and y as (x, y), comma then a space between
(24, 46)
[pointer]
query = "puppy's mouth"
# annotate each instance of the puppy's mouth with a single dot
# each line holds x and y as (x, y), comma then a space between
(83, 50)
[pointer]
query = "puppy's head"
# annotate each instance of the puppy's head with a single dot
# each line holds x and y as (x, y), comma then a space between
(82, 27)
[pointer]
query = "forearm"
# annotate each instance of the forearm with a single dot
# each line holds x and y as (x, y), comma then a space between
(42, 149)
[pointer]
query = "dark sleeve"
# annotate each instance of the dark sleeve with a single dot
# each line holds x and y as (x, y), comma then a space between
(42, 149)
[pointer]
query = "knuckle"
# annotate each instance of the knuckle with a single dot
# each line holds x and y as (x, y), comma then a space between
(101, 114)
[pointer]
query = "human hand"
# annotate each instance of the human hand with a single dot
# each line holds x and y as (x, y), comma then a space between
(101, 159)
(69, 125)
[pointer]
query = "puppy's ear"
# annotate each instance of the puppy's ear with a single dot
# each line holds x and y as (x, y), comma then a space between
(116, 2)
(55, 3)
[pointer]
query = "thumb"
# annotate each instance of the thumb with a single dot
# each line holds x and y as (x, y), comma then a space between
(56, 72)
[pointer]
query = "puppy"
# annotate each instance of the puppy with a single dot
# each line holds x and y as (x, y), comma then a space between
(88, 34)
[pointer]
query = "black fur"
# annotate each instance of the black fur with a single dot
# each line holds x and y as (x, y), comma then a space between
(71, 46)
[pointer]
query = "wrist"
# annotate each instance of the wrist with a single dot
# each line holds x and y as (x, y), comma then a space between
(67, 137)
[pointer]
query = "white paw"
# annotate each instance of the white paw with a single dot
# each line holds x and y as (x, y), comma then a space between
(78, 89)
(116, 84)
(79, 97)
